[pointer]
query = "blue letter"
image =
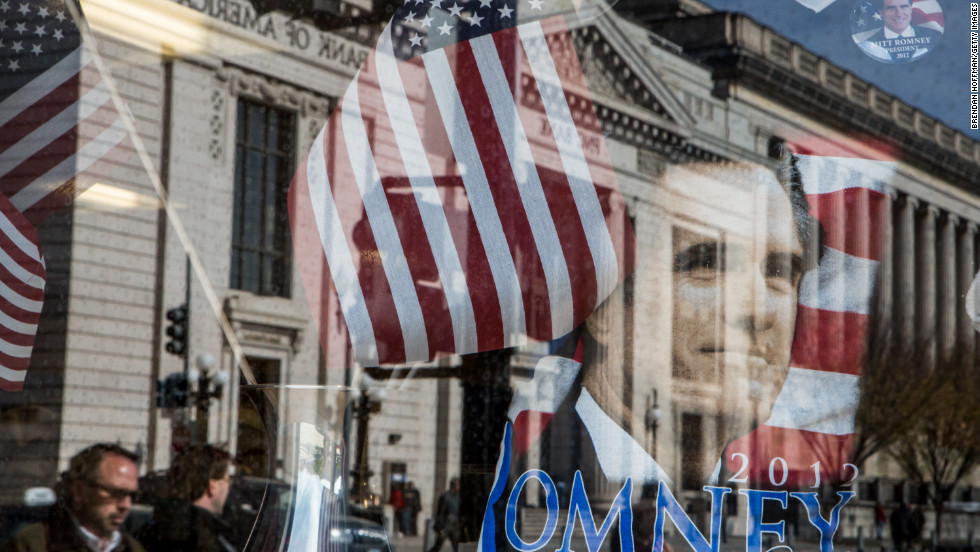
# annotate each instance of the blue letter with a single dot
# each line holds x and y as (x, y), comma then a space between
(666, 503)
(754, 527)
(579, 505)
(827, 528)
(549, 527)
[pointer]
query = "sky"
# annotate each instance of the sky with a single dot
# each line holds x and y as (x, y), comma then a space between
(937, 83)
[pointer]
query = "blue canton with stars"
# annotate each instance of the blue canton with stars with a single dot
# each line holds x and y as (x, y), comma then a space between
(34, 35)
(420, 26)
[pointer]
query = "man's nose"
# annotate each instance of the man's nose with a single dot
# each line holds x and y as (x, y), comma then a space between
(755, 305)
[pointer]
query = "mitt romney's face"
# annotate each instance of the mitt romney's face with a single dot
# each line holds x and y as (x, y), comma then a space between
(897, 14)
(735, 283)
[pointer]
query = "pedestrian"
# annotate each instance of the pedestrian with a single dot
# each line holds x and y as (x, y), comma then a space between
(397, 502)
(200, 478)
(900, 523)
(96, 495)
(881, 519)
(413, 505)
(447, 518)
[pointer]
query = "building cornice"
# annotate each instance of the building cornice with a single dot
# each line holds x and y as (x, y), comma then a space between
(744, 53)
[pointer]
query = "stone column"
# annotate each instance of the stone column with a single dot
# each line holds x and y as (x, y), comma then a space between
(947, 307)
(966, 264)
(925, 278)
(884, 309)
(903, 290)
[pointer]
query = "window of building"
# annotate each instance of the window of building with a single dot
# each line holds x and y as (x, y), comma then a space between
(261, 253)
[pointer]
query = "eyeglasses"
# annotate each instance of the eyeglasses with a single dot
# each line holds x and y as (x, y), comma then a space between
(113, 493)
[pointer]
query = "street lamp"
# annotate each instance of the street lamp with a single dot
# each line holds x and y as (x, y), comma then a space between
(652, 419)
(207, 385)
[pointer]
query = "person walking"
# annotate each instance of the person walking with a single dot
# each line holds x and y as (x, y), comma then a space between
(447, 518)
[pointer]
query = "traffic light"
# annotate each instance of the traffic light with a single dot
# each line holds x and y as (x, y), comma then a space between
(173, 392)
(177, 331)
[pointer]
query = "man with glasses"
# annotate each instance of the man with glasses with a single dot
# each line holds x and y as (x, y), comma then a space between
(96, 494)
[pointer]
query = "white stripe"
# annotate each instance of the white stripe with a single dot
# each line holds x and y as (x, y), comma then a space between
(13, 376)
(823, 175)
(383, 227)
(342, 268)
(19, 300)
(478, 193)
(78, 163)
(528, 185)
(812, 400)
(16, 351)
(26, 276)
(842, 283)
(427, 197)
(53, 128)
(816, 5)
(572, 158)
(44, 84)
(8, 322)
(9, 229)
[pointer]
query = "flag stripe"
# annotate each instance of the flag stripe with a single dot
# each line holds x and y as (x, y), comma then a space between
(822, 175)
(841, 283)
(817, 401)
(576, 168)
(828, 340)
(365, 173)
(506, 196)
(23, 99)
(426, 282)
(413, 156)
(58, 125)
(529, 185)
(84, 158)
(478, 192)
(23, 123)
(314, 176)
(852, 220)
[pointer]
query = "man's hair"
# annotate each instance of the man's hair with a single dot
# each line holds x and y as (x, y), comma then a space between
(880, 4)
(194, 469)
(84, 465)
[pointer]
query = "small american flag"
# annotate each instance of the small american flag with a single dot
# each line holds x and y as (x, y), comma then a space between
(461, 194)
(58, 133)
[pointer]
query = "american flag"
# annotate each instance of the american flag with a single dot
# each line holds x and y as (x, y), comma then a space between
(58, 133)
(811, 427)
(461, 194)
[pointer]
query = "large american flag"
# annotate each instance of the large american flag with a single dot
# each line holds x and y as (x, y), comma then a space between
(58, 134)
(460, 196)
(811, 427)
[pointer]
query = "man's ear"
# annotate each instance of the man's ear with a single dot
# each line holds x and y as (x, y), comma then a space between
(212, 487)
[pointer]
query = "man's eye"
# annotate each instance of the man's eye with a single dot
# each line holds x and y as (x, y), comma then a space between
(699, 257)
(783, 268)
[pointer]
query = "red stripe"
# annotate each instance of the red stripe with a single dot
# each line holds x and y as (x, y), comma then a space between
(462, 223)
(6, 385)
(801, 450)
(853, 220)
(920, 17)
(528, 427)
(829, 341)
(56, 151)
(360, 239)
(503, 187)
(561, 202)
(859, 147)
(407, 217)
(593, 143)
(63, 196)
(39, 112)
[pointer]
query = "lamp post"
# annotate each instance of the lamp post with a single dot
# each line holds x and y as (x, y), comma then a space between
(652, 419)
(207, 384)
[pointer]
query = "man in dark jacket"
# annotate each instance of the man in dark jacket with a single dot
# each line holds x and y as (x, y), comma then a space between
(200, 480)
(97, 493)
(447, 518)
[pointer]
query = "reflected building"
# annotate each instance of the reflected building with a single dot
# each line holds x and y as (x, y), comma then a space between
(228, 102)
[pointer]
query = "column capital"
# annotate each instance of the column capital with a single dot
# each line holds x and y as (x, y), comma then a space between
(951, 218)
(911, 202)
(890, 191)
(972, 226)
(932, 211)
